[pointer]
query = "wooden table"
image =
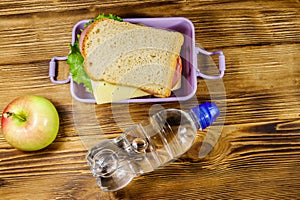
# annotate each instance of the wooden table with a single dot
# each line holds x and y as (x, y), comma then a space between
(257, 154)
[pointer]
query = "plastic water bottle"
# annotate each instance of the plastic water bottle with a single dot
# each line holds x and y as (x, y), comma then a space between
(148, 145)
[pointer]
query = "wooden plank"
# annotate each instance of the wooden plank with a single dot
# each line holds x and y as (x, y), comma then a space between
(257, 154)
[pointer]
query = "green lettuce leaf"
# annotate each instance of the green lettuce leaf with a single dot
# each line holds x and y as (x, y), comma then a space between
(75, 60)
(101, 16)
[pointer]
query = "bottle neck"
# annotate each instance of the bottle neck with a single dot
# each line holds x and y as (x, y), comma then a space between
(195, 120)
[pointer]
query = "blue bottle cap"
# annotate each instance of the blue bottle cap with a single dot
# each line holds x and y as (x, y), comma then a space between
(206, 113)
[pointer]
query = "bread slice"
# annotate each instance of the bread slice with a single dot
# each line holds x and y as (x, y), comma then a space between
(103, 28)
(132, 55)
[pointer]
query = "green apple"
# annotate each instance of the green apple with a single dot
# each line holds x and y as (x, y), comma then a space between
(30, 123)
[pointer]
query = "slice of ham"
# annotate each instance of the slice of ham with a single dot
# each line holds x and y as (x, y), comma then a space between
(177, 72)
(82, 35)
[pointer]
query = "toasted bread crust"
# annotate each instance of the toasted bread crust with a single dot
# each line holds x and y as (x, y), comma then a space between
(86, 38)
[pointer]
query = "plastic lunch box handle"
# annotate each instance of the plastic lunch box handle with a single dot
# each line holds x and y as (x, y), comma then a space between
(222, 65)
(52, 70)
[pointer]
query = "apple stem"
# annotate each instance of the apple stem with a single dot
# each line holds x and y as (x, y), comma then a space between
(20, 117)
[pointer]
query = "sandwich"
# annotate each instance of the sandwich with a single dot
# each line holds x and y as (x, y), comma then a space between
(114, 55)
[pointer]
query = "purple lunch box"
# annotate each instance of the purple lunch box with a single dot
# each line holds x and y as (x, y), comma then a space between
(188, 54)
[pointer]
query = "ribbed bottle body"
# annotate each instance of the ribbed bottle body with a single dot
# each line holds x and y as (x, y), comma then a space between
(148, 145)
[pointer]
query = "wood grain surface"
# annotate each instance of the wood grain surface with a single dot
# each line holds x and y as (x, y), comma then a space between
(257, 150)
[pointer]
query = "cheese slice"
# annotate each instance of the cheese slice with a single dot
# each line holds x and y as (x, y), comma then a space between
(107, 93)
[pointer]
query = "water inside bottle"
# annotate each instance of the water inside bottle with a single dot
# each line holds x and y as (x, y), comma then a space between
(142, 148)
(174, 134)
